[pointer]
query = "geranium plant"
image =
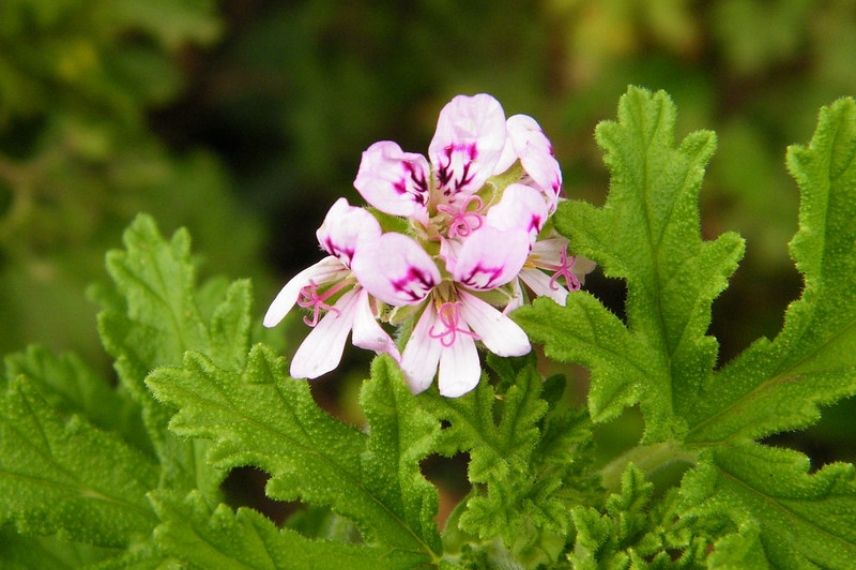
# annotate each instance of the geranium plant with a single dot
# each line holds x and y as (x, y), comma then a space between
(473, 247)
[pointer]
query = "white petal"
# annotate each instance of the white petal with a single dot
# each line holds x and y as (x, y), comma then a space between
(548, 252)
(327, 270)
(368, 333)
(419, 361)
(346, 227)
(396, 270)
(321, 351)
(460, 368)
(516, 298)
(500, 335)
(539, 282)
(490, 257)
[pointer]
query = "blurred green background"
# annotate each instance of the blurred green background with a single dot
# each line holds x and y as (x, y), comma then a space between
(245, 119)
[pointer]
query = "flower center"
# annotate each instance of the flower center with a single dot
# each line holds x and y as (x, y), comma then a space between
(565, 269)
(310, 298)
(450, 315)
(464, 221)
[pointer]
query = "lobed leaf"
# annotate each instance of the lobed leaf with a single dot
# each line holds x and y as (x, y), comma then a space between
(804, 520)
(151, 320)
(522, 453)
(777, 385)
(648, 234)
(261, 417)
(68, 477)
(197, 536)
(70, 386)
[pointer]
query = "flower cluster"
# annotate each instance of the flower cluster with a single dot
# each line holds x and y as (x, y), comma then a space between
(476, 214)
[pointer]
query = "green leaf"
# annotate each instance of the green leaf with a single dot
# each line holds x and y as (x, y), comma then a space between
(153, 321)
(68, 477)
(805, 520)
(520, 455)
(777, 385)
(38, 553)
(586, 332)
(70, 386)
(263, 418)
(648, 234)
(401, 434)
(199, 537)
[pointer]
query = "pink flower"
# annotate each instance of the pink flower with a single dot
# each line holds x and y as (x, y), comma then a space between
(477, 209)
(331, 287)
(469, 140)
(523, 207)
(398, 271)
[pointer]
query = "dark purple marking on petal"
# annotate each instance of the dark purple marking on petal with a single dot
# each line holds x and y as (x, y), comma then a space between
(481, 277)
(416, 284)
(535, 223)
(413, 184)
(333, 249)
(446, 172)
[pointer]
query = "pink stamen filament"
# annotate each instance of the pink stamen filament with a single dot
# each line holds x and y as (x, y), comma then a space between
(450, 314)
(464, 221)
(310, 298)
(565, 269)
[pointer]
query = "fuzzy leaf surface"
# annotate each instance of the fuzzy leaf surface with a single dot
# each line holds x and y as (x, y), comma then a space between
(777, 385)
(261, 417)
(806, 520)
(522, 453)
(200, 538)
(65, 476)
(648, 233)
(152, 319)
(70, 386)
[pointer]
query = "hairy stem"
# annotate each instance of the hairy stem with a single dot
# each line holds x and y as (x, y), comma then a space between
(648, 458)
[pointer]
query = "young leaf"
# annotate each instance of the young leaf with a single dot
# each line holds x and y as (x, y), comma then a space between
(776, 386)
(199, 537)
(805, 520)
(261, 417)
(648, 234)
(68, 477)
(524, 458)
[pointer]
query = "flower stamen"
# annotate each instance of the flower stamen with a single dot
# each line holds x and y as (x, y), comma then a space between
(450, 314)
(565, 269)
(310, 298)
(464, 221)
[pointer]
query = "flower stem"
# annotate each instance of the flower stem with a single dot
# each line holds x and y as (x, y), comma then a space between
(648, 458)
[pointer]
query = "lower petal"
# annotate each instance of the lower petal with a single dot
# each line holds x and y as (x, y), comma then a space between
(460, 369)
(419, 361)
(368, 333)
(321, 351)
(490, 257)
(327, 270)
(500, 334)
